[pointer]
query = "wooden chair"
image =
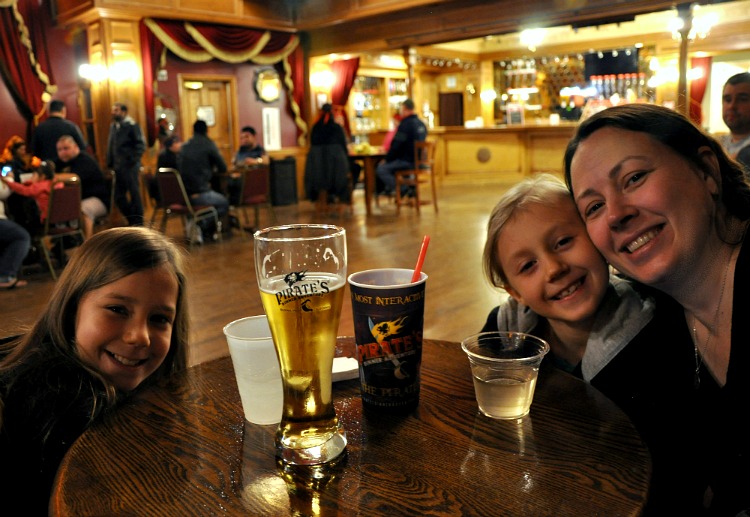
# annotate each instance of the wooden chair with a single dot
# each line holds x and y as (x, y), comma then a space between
(63, 220)
(422, 174)
(255, 192)
(110, 179)
(174, 201)
(150, 198)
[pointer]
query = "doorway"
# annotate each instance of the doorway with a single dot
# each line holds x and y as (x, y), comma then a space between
(211, 98)
(451, 109)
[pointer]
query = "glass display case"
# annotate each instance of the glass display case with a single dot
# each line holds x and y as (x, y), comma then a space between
(373, 102)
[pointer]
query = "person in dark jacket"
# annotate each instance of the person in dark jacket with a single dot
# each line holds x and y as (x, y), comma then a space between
(48, 133)
(168, 156)
(198, 160)
(401, 152)
(124, 151)
(665, 204)
(95, 197)
(327, 166)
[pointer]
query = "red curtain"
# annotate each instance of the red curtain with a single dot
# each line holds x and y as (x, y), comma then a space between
(698, 88)
(201, 42)
(24, 64)
(344, 72)
(291, 71)
(151, 49)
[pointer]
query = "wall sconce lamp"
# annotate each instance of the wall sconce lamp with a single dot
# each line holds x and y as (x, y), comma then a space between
(93, 73)
(321, 80)
(119, 72)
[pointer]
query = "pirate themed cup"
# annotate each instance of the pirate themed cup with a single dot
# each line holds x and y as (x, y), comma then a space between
(388, 311)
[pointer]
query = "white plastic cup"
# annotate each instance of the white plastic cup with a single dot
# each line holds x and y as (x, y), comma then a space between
(505, 366)
(256, 368)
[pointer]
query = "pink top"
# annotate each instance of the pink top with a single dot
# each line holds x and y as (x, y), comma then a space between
(39, 190)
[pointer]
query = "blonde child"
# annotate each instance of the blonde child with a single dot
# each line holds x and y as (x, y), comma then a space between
(117, 321)
(558, 284)
(598, 326)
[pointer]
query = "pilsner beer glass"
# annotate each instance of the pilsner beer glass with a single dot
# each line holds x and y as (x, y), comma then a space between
(301, 272)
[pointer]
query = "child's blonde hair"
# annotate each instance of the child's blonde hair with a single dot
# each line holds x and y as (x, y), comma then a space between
(542, 189)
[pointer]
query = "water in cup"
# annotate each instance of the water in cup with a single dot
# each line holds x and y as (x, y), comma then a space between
(503, 396)
(504, 366)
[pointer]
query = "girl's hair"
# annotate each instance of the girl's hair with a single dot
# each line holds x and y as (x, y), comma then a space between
(7, 154)
(673, 130)
(541, 189)
(105, 258)
(46, 169)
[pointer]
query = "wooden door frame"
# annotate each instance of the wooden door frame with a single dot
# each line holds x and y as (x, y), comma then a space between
(234, 113)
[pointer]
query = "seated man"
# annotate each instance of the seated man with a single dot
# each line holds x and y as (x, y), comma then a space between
(198, 159)
(401, 152)
(250, 151)
(95, 197)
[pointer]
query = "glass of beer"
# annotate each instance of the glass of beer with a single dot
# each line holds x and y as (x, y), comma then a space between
(301, 272)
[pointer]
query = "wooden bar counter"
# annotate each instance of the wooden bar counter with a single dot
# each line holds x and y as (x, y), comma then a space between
(513, 151)
(187, 450)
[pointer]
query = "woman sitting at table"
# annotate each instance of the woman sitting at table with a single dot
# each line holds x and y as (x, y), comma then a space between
(16, 157)
(327, 167)
(667, 207)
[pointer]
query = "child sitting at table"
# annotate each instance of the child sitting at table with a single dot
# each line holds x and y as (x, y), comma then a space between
(39, 188)
(116, 322)
(597, 324)
(558, 284)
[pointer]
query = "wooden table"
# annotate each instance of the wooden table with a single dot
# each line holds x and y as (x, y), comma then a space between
(188, 451)
(369, 163)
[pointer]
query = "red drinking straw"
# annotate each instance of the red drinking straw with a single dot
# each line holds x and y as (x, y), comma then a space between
(420, 260)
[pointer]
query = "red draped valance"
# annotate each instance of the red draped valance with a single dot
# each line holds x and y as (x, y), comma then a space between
(200, 42)
(24, 61)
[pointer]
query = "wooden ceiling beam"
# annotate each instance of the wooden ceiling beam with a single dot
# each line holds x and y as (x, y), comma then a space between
(462, 19)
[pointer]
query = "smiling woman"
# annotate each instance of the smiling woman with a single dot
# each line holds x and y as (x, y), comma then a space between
(663, 202)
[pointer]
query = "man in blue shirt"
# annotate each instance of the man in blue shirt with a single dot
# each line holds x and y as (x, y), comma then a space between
(250, 151)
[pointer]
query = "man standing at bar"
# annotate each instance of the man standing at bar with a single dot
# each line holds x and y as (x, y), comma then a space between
(735, 110)
(401, 153)
(124, 151)
(45, 137)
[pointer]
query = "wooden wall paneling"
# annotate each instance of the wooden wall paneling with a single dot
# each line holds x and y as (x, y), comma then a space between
(115, 45)
(250, 13)
(505, 153)
(545, 152)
